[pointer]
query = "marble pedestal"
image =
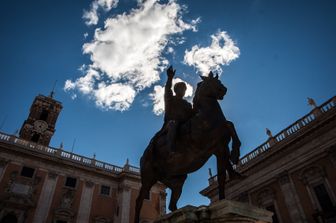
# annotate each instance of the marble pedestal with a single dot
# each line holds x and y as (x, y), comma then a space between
(219, 212)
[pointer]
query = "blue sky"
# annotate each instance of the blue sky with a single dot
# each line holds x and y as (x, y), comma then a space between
(286, 54)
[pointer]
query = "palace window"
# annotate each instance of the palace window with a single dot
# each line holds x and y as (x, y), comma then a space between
(105, 190)
(318, 188)
(27, 172)
(272, 209)
(149, 198)
(266, 198)
(323, 198)
(71, 182)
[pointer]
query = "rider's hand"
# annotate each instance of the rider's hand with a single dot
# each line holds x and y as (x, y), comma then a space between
(171, 72)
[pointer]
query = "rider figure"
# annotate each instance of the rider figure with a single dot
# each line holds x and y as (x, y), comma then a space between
(177, 109)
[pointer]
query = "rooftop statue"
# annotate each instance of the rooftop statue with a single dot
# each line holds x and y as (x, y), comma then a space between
(188, 138)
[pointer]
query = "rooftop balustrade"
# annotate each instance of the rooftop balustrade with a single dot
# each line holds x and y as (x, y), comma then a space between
(65, 155)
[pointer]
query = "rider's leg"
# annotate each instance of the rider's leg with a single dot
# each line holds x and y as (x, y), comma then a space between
(172, 128)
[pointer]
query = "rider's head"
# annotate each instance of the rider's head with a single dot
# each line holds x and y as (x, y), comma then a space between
(180, 89)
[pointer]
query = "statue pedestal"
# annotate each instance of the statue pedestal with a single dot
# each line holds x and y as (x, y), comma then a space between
(219, 212)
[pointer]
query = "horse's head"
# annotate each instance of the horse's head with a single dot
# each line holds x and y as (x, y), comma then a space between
(211, 87)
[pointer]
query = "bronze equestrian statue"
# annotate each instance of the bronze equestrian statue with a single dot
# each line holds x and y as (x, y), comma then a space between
(205, 133)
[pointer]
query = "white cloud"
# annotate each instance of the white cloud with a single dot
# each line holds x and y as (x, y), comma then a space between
(69, 85)
(130, 45)
(74, 96)
(114, 96)
(170, 50)
(91, 17)
(84, 84)
(157, 96)
(222, 51)
(126, 54)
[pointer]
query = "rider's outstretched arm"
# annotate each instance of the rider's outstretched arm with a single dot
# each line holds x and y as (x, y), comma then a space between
(170, 75)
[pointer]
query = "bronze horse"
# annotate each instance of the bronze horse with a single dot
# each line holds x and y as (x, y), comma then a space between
(207, 133)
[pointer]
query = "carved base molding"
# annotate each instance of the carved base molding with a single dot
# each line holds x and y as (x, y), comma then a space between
(222, 211)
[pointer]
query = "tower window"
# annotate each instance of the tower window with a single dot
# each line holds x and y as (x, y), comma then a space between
(105, 190)
(27, 172)
(71, 182)
(44, 115)
(35, 137)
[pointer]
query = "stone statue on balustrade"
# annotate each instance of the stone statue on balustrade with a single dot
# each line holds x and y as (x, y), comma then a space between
(189, 137)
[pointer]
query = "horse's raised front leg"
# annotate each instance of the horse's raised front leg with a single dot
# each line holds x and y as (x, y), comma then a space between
(228, 166)
(221, 172)
(235, 153)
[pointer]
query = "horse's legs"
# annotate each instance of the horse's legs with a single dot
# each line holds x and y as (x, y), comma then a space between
(235, 153)
(176, 185)
(143, 194)
(228, 166)
(221, 172)
(233, 133)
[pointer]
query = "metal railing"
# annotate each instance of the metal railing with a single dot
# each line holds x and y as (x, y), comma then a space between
(65, 155)
(287, 133)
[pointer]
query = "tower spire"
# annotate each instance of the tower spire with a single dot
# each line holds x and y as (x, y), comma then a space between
(53, 90)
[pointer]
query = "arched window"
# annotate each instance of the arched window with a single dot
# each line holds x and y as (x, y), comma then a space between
(35, 137)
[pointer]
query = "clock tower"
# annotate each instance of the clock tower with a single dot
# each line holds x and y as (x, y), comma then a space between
(40, 124)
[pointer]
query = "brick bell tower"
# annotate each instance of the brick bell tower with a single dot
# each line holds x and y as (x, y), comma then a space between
(40, 124)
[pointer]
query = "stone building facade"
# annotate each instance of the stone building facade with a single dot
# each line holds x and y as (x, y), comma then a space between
(39, 183)
(293, 173)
